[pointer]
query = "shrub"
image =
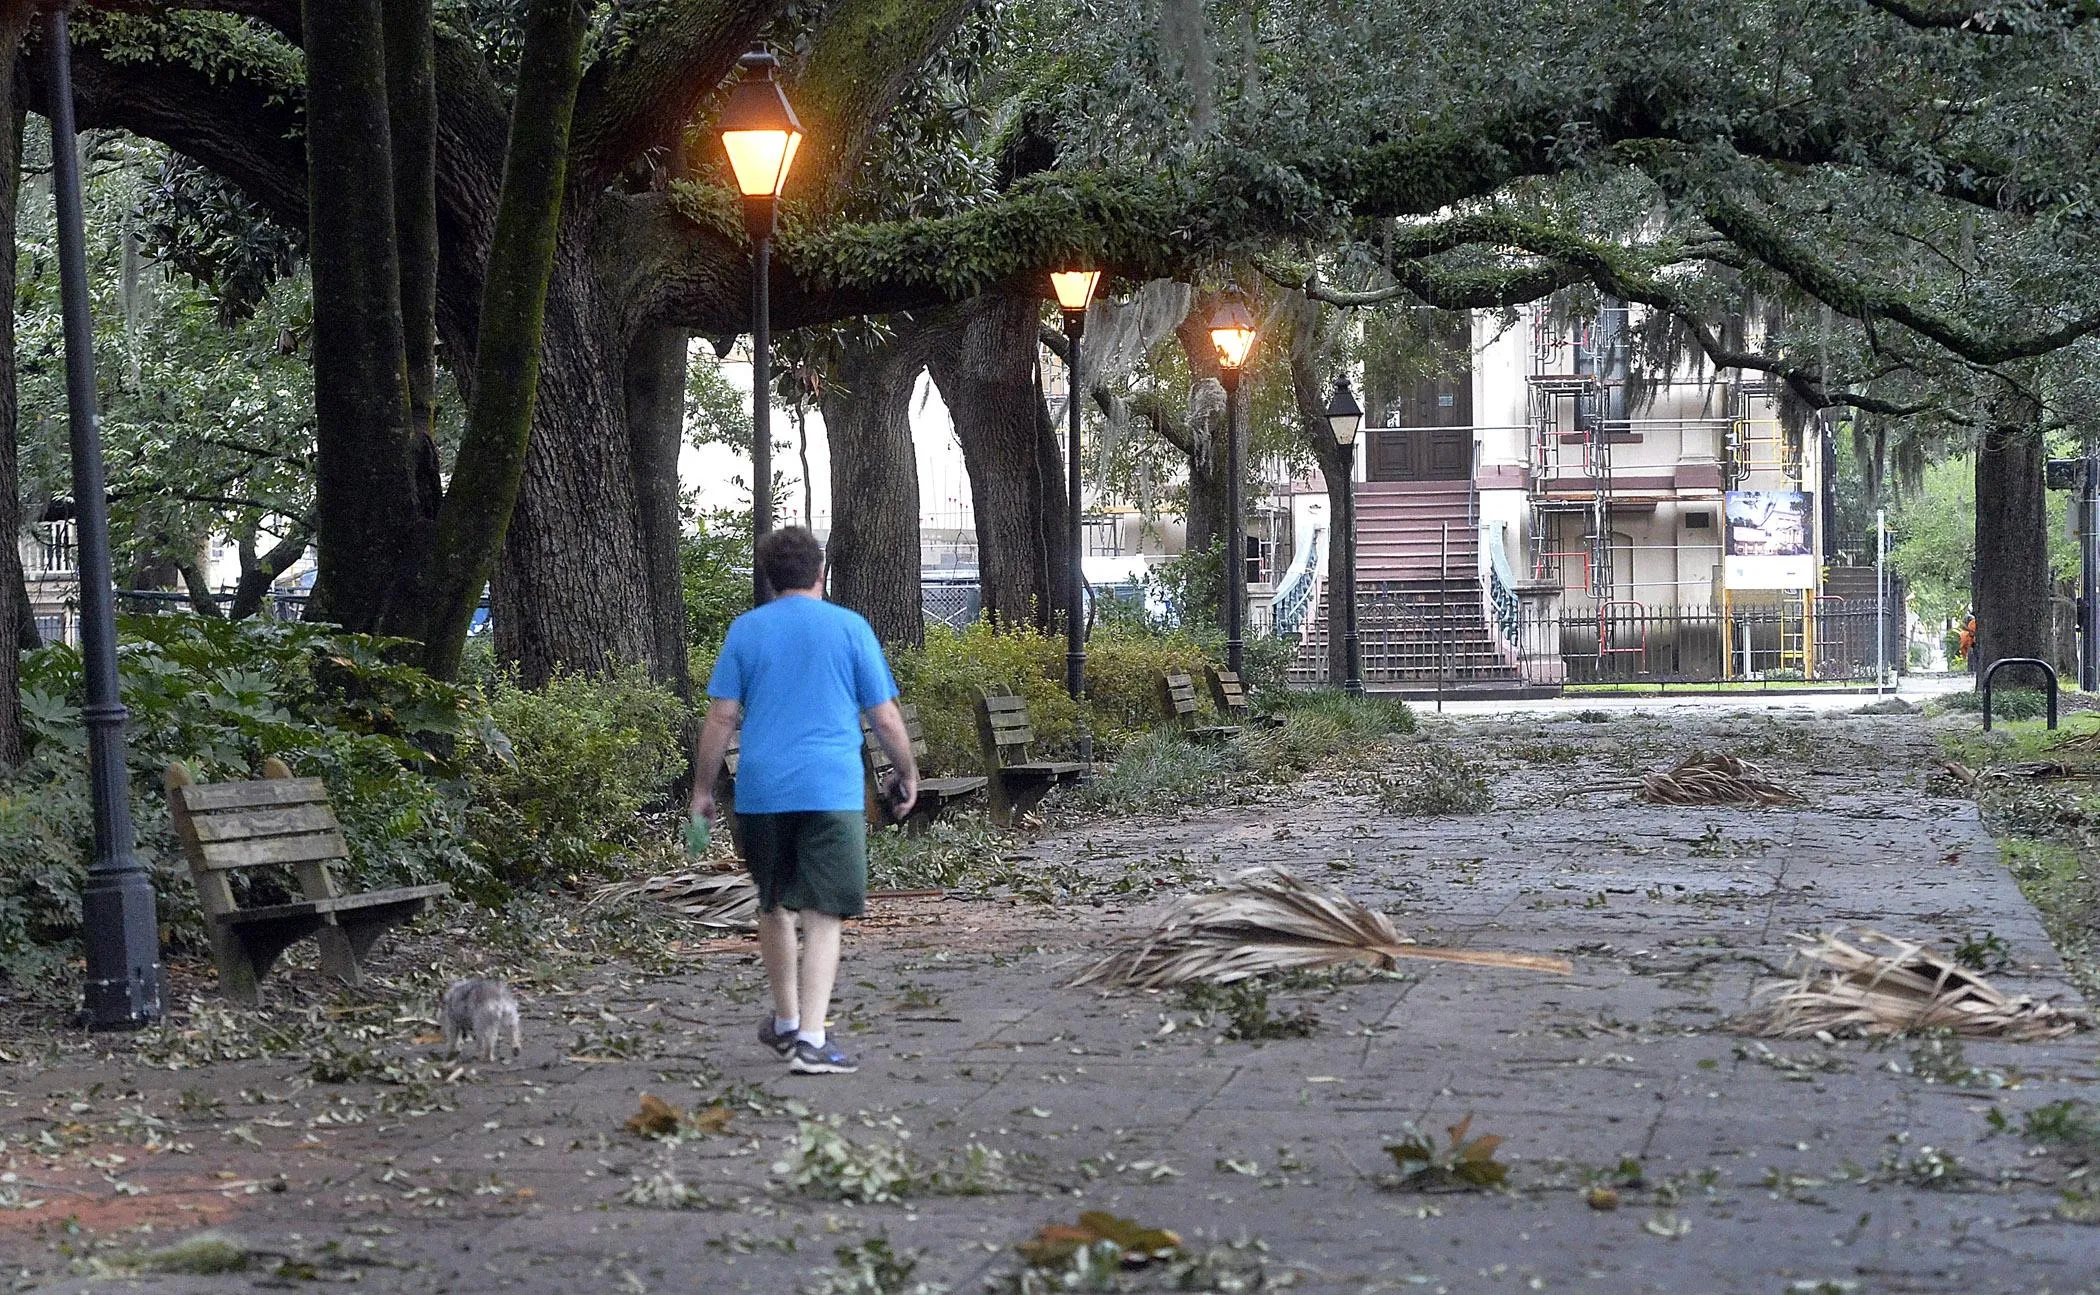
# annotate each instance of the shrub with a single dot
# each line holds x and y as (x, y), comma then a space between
(222, 696)
(946, 678)
(714, 563)
(2006, 703)
(561, 794)
(1160, 770)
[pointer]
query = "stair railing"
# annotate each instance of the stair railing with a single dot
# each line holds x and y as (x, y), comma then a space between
(1295, 596)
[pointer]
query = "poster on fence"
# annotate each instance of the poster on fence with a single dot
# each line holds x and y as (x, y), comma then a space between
(1771, 540)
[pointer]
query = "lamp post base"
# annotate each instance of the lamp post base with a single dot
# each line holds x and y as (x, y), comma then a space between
(1352, 682)
(123, 955)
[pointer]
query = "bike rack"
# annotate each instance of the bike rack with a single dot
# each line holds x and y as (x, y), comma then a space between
(2003, 662)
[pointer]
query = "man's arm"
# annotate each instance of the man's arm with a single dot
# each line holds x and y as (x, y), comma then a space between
(723, 716)
(888, 722)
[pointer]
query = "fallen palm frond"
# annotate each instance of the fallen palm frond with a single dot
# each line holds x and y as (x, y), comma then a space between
(708, 897)
(1719, 779)
(1269, 921)
(1875, 984)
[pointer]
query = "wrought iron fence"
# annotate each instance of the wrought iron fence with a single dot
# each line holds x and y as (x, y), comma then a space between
(1627, 642)
(1411, 637)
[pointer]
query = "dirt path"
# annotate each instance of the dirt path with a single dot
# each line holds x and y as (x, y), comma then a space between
(1737, 1166)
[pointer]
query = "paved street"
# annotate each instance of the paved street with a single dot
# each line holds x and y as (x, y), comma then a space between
(1739, 1165)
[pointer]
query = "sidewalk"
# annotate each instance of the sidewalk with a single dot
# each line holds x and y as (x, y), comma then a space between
(1761, 1168)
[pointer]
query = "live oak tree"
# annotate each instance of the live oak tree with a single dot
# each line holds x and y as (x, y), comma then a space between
(1307, 126)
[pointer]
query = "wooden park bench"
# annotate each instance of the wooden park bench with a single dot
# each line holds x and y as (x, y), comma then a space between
(935, 794)
(278, 820)
(1177, 700)
(1017, 780)
(1230, 697)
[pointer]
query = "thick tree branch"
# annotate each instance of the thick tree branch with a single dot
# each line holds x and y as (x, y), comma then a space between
(247, 129)
(1937, 15)
(643, 97)
(1764, 239)
(865, 53)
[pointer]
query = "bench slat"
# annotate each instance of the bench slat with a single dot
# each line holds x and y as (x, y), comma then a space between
(1023, 736)
(242, 825)
(338, 904)
(205, 798)
(1044, 768)
(307, 847)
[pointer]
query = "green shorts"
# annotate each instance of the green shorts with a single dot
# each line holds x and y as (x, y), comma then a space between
(809, 860)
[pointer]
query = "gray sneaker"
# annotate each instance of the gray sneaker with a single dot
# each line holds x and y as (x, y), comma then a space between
(781, 1043)
(809, 1059)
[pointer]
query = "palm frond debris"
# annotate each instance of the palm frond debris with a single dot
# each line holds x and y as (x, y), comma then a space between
(1269, 921)
(709, 897)
(1866, 983)
(1715, 779)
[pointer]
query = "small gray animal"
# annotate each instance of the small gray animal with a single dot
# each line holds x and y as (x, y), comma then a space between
(481, 1010)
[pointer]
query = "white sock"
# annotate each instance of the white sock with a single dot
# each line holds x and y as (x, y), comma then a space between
(814, 1038)
(784, 1024)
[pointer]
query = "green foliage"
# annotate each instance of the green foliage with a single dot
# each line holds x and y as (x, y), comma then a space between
(1245, 1012)
(1440, 781)
(560, 796)
(2006, 703)
(207, 396)
(947, 677)
(1191, 587)
(826, 1163)
(2070, 1126)
(1162, 770)
(1467, 1164)
(954, 851)
(872, 1268)
(222, 696)
(714, 564)
(1934, 543)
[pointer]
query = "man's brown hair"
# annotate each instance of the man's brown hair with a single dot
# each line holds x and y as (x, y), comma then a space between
(790, 557)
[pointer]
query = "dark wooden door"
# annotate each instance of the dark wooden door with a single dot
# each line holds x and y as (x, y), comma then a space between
(1421, 454)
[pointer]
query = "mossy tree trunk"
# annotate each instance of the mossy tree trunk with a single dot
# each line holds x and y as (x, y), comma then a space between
(874, 543)
(1202, 437)
(364, 487)
(1310, 358)
(493, 449)
(656, 378)
(411, 82)
(15, 17)
(2010, 585)
(986, 371)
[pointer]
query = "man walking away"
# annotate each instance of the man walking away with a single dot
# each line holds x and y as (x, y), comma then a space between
(798, 673)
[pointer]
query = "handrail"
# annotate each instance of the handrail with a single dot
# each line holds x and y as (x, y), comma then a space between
(1287, 609)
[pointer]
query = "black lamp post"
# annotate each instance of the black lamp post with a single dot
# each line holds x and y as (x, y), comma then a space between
(117, 917)
(1074, 289)
(1344, 417)
(1232, 333)
(760, 132)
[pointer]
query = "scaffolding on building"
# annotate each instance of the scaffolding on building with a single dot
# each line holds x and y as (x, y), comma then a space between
(1569, 401)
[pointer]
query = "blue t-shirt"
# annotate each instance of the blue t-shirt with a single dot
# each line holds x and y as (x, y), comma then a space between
(803, 670)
